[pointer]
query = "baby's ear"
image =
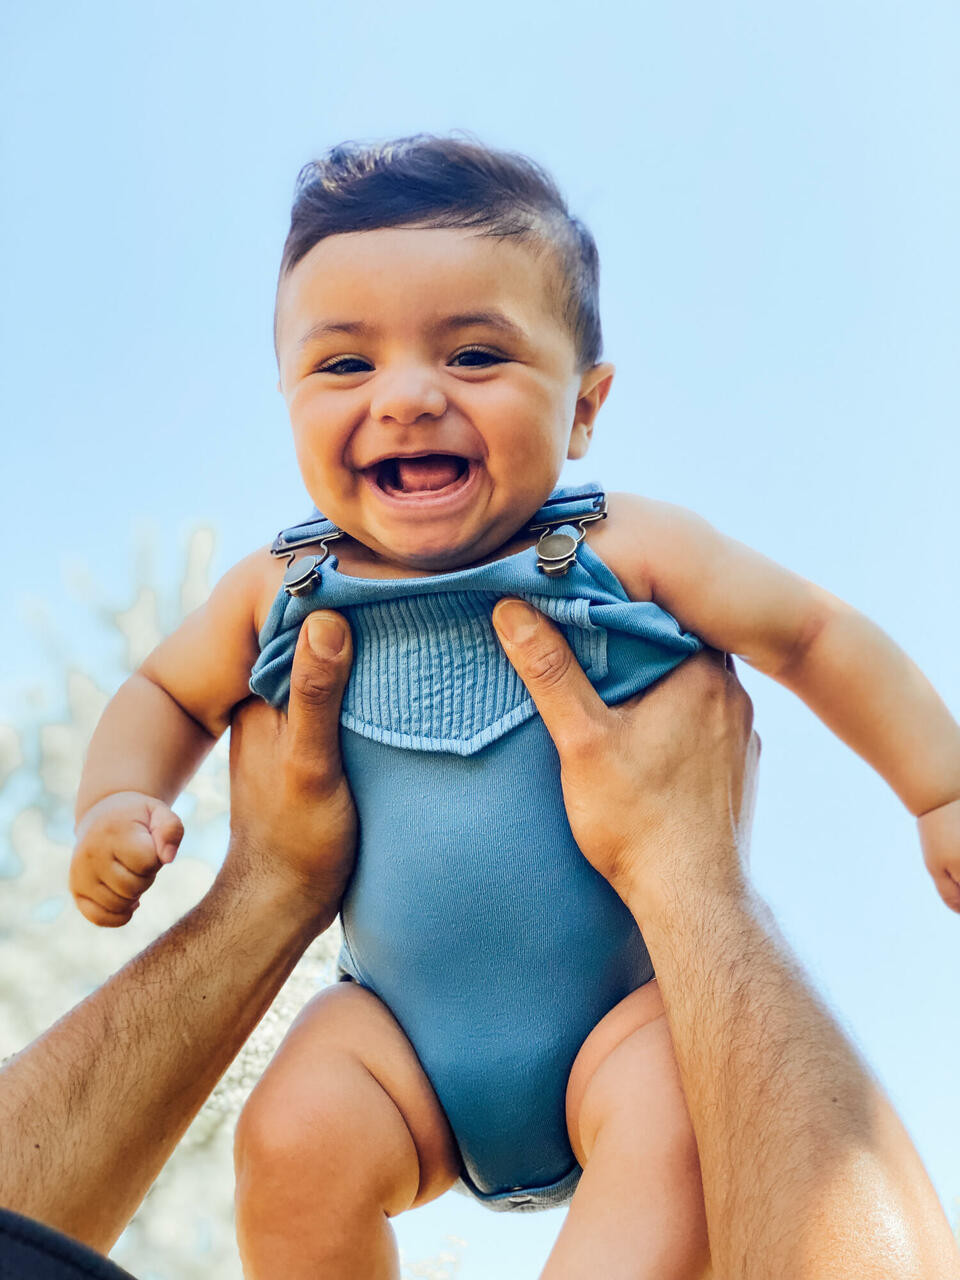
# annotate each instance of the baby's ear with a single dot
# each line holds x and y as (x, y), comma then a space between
(594, 389)
(579, 443)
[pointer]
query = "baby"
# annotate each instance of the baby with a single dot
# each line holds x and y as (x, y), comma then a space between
(498, 1025)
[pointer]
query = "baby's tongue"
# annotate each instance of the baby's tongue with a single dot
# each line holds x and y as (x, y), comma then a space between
(432, 472)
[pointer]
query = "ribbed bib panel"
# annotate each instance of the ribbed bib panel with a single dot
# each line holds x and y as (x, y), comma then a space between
(430, 674)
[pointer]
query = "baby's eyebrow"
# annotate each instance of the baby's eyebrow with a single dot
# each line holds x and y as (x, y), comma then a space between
(493, 319)
(325, 327)
(462, 320)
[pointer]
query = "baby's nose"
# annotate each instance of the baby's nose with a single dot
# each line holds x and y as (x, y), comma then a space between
(406, 397)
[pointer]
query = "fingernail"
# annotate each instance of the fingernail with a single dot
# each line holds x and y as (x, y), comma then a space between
(327, 635)
(515, 620)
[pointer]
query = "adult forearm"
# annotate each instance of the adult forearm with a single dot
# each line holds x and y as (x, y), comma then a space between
(92, 1110)
(807, 1171)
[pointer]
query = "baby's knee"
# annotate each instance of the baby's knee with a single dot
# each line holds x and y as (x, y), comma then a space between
(334, 1138)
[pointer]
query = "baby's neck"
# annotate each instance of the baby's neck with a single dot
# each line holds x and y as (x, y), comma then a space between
(356, 560)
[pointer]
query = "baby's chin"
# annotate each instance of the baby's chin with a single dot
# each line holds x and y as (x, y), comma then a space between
(419, 553)
(426, 559)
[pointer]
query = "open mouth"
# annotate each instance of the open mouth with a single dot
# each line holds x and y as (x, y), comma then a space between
(427, 476)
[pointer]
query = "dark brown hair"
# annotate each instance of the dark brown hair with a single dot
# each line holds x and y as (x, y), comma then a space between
(429, 181)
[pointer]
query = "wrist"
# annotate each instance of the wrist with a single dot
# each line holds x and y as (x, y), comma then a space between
(938, 809)
(302, 902)
(939, 831)
(667, 898)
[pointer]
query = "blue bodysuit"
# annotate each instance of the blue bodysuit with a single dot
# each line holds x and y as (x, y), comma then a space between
(471, 912)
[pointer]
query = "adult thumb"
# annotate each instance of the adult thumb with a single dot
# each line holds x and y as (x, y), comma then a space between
(321, 665)
(565, 698)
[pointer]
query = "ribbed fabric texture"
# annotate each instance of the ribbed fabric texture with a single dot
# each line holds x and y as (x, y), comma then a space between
(431, 675)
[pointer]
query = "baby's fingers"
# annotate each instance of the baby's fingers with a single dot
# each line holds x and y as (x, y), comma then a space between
(940, 839)
(125, 883)
(167, 831)
(134, 851)
(99, 915)
(948, 888)
(103, 896)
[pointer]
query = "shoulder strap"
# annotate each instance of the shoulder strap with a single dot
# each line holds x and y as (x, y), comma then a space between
(313, 529)
(569, 505)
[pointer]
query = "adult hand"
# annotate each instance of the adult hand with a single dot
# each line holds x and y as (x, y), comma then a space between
(639, 779)
(291, 812)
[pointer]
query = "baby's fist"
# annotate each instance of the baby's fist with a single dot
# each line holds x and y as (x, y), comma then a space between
(122, 842)
(940, 838)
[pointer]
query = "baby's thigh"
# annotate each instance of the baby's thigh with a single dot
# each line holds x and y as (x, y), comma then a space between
(346, 1100)
(638, 1209)
(626, 1071)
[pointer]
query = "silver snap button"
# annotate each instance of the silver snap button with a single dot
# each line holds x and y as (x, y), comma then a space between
(301, 576)
(556, 552)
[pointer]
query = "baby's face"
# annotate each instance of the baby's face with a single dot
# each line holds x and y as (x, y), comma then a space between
(432, 389)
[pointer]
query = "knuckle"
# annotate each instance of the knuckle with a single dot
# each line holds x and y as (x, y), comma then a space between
(549, 664)
(318, 778)
(581, 745)
(315, 687)
(592, 741)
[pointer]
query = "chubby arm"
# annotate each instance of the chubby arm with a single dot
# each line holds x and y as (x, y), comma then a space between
(161, 723)
(843, 666)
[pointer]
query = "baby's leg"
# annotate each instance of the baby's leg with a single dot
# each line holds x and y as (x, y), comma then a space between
(638, 1212)
(342, 1132)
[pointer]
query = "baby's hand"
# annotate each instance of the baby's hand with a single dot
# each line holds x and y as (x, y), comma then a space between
(122, 842)
(940, 838)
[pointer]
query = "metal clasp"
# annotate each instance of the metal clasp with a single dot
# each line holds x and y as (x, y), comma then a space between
(302, 576)
(556, 552)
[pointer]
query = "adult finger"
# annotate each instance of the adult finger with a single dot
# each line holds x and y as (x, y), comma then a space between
(321, 666)
(565, 698)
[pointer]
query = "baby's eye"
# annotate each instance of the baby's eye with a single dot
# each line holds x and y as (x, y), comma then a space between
(344, 365)
(477, 357)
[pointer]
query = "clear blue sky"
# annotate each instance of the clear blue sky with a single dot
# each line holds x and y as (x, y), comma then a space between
(775, 195)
